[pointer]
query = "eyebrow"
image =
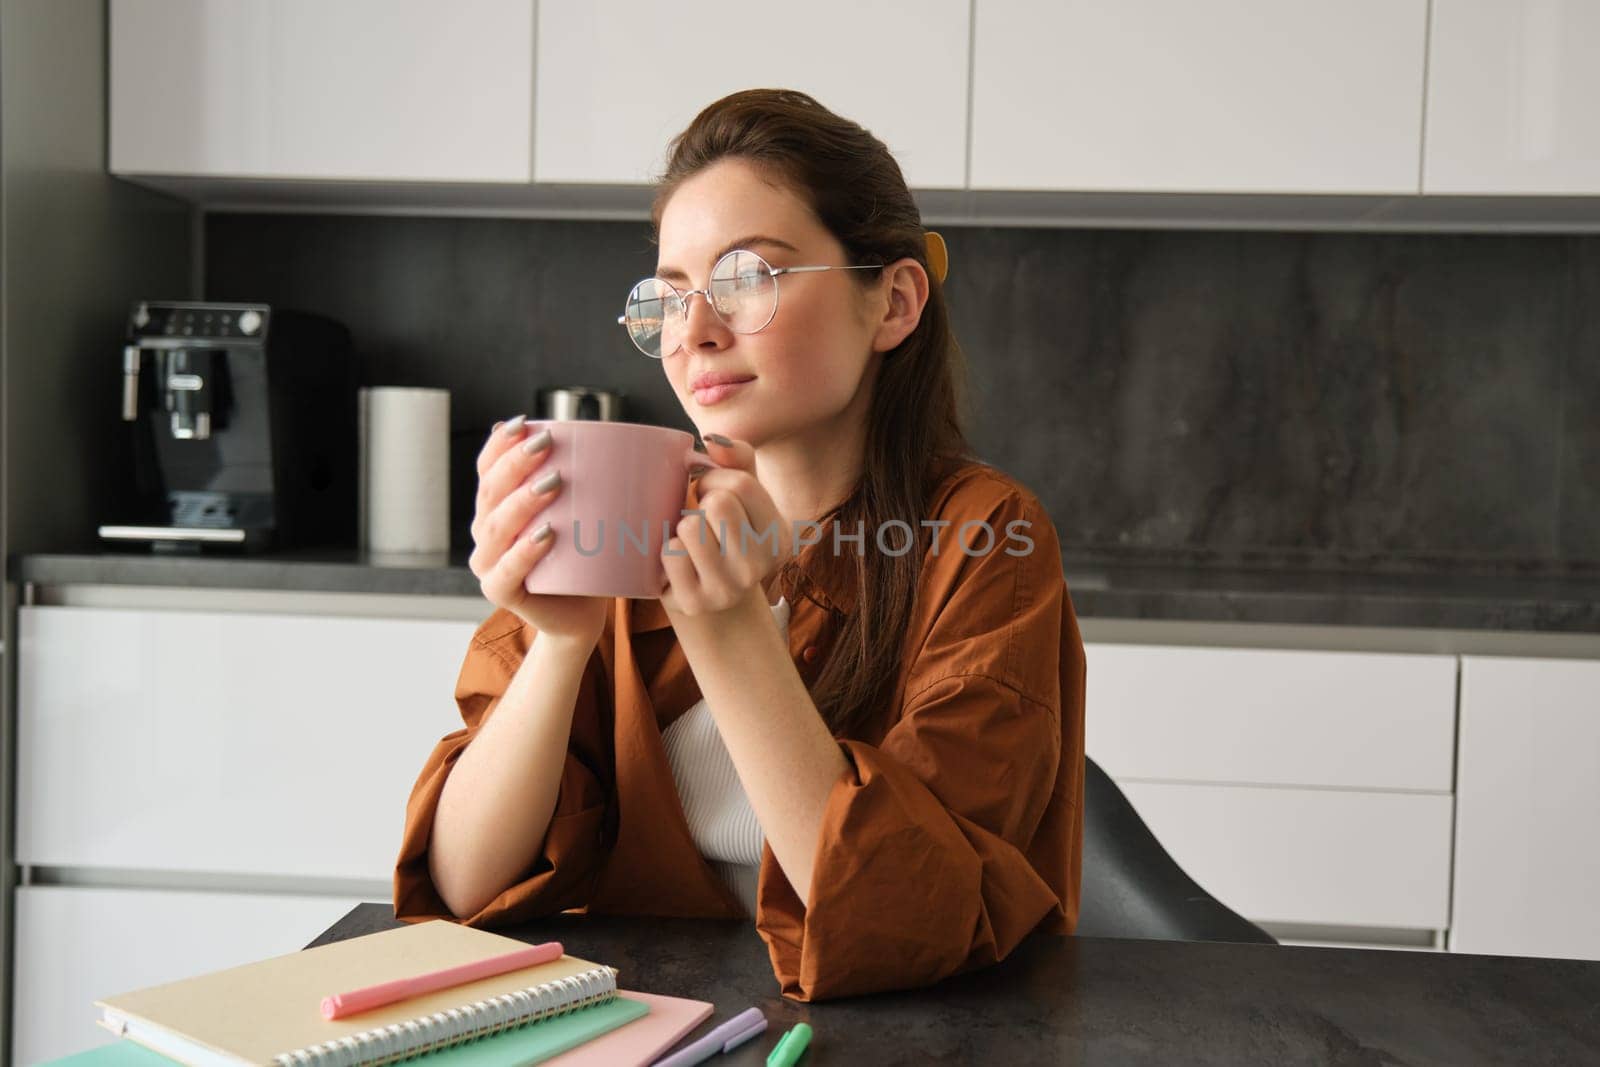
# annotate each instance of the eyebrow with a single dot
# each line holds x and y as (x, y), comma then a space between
(674, 273)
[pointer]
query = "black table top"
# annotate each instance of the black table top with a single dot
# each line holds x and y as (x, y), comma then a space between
(1102, 1000)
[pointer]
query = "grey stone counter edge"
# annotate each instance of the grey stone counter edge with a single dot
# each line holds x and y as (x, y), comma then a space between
(308, 575)
(1414, 610)
(1541, 605)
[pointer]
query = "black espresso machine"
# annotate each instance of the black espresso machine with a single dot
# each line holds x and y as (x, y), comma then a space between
(241, 422)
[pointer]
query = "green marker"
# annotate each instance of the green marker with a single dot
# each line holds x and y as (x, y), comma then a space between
(790, 1047)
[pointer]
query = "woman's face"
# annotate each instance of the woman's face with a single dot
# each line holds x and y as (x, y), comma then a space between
(809, 369)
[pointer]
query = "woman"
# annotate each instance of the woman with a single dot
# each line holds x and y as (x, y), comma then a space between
(873, 748)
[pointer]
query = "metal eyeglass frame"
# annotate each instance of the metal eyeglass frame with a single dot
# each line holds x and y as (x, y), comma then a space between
(684, 295)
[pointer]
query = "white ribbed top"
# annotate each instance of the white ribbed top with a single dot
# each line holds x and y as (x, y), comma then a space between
(721, 821)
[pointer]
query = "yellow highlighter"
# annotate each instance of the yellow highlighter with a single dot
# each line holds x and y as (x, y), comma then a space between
(790, 1047)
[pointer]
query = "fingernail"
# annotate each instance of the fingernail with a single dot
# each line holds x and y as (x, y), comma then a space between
(514, 427)
(546, 482)
(718, 439)
(497, 425)
(542, 532)
(537, 442)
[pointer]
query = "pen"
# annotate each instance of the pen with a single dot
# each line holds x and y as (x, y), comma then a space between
(790, 1047)
(736, 1031)
(376, 996)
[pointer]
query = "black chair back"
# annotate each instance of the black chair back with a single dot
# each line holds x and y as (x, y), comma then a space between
(1133, 888)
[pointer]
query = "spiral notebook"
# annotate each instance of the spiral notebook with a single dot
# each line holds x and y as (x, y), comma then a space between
(269, 1012)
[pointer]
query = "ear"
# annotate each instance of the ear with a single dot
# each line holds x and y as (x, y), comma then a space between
(907, 290)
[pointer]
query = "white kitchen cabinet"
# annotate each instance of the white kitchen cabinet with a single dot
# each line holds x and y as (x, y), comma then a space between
(77, 944)
(1351, 720)
(1514, 98)
(1293, 96)
(229, 743)
(1314, 857)
(1300, 787)
(1528, 808)
(617, 79)
(397, 90)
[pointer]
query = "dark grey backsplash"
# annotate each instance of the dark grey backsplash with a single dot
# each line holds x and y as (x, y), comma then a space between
(1313, 399)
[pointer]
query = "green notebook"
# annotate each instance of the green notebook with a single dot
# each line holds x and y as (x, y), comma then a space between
(122, 1053)
(539, 1041)
(525, 1045)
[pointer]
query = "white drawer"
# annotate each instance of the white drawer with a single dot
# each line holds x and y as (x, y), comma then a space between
(231, 743)
(1311, 856)
(1270, 717)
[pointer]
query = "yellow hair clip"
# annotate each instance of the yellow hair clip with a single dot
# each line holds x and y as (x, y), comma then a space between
(938, 255)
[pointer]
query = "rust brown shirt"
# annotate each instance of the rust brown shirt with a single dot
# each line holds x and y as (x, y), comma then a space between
(956, 832)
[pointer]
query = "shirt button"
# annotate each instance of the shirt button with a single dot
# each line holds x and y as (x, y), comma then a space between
(809, 654)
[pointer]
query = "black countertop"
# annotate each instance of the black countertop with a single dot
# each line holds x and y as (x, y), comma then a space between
(1098, 1000)
(1104, 588)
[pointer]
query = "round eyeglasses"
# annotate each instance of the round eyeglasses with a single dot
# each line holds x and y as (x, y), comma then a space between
(742, 294)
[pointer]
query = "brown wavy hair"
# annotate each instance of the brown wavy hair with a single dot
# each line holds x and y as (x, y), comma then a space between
(914, 425)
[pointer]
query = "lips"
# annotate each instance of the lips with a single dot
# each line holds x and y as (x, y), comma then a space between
(714, 378)
(707, 395)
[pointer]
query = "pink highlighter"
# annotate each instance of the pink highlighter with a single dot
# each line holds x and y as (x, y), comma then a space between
(342, 1004)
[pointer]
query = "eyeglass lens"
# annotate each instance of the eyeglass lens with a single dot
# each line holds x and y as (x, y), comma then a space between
(743, 294)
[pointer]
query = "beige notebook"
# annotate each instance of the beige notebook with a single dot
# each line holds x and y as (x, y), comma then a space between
(270, 1011)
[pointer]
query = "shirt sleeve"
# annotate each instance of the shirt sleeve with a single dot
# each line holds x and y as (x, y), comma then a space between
(562, 876)
(959, 832)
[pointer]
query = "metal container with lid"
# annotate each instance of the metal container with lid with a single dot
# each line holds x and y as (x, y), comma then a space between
(580, 402)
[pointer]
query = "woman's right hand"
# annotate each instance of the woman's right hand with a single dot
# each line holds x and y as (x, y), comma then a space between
(507, 503)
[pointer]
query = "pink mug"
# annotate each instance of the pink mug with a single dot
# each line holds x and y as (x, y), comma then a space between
(622, 493)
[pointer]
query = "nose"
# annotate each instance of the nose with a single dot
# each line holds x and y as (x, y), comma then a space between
(702, 329)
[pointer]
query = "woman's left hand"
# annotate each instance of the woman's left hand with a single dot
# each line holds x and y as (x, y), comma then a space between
(721, 558)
